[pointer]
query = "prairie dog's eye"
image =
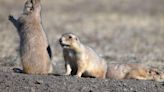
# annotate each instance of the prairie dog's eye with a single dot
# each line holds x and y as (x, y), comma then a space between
(157, 73)
(150, 71)
(70, 37)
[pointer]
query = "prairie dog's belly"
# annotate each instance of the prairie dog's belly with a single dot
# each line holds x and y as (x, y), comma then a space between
(33, 48)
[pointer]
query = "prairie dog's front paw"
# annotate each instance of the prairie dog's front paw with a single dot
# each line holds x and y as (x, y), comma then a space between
(10, 17)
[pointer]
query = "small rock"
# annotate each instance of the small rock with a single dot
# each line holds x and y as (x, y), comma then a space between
(39, 82)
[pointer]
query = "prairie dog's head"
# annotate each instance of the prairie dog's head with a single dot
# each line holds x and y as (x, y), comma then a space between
(156, 74)
(69, 40)
(27, 7)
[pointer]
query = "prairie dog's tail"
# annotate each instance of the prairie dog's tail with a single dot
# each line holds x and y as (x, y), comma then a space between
(18, 70)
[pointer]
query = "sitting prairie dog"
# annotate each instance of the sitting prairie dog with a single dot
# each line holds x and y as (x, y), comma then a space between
(35, 52)
(133, 71)
(80, 59)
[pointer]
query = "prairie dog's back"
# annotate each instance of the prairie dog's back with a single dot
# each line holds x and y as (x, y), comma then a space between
(94, 60)
(120, 71)
(117, 71)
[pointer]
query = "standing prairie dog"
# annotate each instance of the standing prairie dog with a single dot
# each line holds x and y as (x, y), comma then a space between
(35, 52)
(80, 59)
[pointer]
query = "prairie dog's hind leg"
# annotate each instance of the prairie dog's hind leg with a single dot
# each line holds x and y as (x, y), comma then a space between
(80, 71)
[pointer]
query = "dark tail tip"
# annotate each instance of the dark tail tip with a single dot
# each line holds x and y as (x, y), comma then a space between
(49, 51)
(17, 70)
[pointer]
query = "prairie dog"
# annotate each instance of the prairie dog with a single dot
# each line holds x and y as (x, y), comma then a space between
(118, 71)
(133, 71)
(35, 52)
(80, 59)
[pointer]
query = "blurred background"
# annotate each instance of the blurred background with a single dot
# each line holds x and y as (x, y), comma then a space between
(120, 31)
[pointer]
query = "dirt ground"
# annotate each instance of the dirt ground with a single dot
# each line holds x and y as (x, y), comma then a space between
(12, 82)
(121, 31)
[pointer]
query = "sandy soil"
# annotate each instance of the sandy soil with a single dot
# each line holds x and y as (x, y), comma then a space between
(120, 31)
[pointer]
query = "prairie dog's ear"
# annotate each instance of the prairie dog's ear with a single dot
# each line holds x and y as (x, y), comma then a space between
(77, 38)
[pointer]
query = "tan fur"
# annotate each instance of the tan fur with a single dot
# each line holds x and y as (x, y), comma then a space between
(138, 73)
(33, 42)
(117, 71)
(80, 59)
(133, 71)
